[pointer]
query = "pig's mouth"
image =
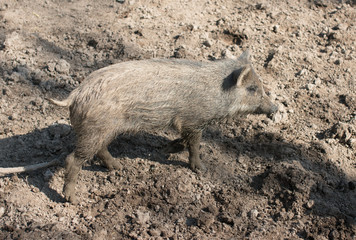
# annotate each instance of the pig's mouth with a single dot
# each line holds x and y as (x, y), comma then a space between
(267, 111)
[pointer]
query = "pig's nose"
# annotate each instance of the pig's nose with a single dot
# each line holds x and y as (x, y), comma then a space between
(274, 108)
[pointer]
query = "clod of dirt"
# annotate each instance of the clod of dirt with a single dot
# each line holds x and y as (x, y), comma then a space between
(142, 217)
(38, 76)
(281, 116)
(62, 67)
(92, 43)
(14, 41)
(226, 53)
(205, 219)
(234, 37)
(180, 52)
(348, 100)
(51, 66)
(342, 131)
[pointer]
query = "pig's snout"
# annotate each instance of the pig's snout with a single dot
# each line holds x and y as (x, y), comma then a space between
(267, 107)
(270, 109)
(274, 109)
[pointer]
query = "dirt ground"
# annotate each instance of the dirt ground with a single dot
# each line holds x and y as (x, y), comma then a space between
(291, 176)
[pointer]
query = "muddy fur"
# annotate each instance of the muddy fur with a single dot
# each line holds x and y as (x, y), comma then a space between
(157, 94)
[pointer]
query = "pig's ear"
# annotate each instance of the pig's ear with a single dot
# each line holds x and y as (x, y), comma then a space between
(241, 75)
(237, 78)
(245, 57)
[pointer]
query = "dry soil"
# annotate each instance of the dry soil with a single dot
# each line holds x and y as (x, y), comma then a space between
(289, 177)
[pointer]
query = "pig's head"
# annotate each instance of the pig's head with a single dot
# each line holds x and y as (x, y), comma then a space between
(246, 90)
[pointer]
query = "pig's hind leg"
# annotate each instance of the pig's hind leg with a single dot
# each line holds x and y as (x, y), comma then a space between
(90, 141)
(108, 160)
(73, 164)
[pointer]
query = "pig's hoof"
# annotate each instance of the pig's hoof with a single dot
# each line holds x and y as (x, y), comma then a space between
(198, 167)
(72, 199)
(112, 164)
(69, 195)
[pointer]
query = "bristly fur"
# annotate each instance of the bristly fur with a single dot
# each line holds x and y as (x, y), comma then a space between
(156, 94)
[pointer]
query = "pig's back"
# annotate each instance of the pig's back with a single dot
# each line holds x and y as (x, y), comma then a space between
(151, 92)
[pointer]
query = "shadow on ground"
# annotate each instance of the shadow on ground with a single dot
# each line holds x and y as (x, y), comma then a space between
(292, 177)
(295, 178)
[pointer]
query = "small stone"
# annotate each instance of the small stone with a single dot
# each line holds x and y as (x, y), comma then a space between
(302, 72)
(207, 43)
(317, 81)
(154, 232)
(337, 62)
(14, 116)
(51, 66)
(275, 28)
(310, 204)
(341, 26)
(226, 53)
(310, 86)
(352, 143)
(180, 52)
(35, 189)
(309, 59)
(253, 213)
(75, 220)
(277, 117)
(290, 215)
(280, 116)
(334, 234)
(191, 27)
(260, 6)
(334, 36)
(2, 211)
(241, 159)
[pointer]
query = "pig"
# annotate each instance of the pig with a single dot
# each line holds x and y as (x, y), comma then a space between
(157, 94)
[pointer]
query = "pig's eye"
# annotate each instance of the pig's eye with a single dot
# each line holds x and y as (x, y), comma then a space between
(252, 89)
